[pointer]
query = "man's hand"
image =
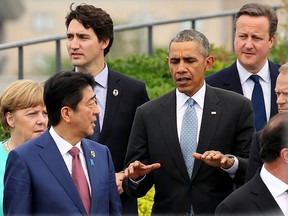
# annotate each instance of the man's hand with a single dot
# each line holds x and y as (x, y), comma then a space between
(215, 159)
(119, 179)
(138, 169)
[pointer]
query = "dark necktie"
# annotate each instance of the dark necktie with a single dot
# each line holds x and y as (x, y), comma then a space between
(188, 137)
(96, 134)
(258, 103)
(79, 178)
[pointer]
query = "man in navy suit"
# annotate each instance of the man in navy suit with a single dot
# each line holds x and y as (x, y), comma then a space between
(89, 38)
(38, 175)
(225, 127)
(267, 192)
(255, 26)
(281, 91)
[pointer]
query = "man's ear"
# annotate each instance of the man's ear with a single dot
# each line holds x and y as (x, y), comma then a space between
(104, 43)
(66, 113)
(209, 63)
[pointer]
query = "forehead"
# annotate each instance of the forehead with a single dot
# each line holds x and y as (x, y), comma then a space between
(88, 93)
(185, 48)
(282, 81)
(77, 27)
(246, 22)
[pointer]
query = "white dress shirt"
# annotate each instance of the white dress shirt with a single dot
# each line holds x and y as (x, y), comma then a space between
(64, 148)
(277, 188)
(248, 84)
(181, 107)
(101, 91)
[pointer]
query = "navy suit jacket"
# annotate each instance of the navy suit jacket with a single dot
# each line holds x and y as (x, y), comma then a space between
(117, 123)
(251, 199)
(255, 161)
(228, 78)
(37, 181)
(227, 126)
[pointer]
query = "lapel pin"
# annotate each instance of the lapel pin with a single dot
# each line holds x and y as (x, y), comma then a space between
(213, 112)
(92, 154)
(91, 162)
(115, 92)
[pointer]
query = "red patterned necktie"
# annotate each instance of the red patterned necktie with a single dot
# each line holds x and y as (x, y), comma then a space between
(80, 179)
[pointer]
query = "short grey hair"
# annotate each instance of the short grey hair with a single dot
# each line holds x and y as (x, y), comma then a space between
(193, 35)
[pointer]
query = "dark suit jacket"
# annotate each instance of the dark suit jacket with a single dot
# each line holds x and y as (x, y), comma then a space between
(154, 139)
(228, 78)
(251, 199)
(255, 161)
(118, 119)
(37, 181)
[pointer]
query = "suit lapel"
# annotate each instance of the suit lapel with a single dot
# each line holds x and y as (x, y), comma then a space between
(169, 131)
(112, 103)
(273, 76)
(93, 169)
(210, 118)
(55, 163)
(232, 80)
(262, 198)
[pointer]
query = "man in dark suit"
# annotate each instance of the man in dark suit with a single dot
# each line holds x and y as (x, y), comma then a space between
(89, 38)
(255, 26)
(281, 91)
(38, 174)
(225, 126)
(266, 193)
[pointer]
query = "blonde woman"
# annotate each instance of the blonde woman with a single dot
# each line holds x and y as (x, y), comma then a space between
(23, 114)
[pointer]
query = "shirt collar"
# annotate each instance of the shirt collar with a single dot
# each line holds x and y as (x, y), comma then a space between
(198, 97)
(245, 74)
(62, 144)
(102, 77)
(270, 181)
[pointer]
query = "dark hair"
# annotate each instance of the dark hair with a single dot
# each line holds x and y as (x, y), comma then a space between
(274, 137)
(193, 35)
(257, 10)
(65, 89)
(96, 18)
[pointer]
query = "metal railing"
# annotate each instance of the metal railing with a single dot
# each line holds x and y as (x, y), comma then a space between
(148, 25)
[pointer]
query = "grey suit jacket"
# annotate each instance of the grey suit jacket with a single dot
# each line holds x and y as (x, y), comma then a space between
(154, 139)
(251, 199)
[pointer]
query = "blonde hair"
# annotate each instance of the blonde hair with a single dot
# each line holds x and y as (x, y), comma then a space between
(20, 94)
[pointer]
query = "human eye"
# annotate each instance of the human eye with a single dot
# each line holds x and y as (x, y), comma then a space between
(174, 61)
(69, 36)
(32, 114)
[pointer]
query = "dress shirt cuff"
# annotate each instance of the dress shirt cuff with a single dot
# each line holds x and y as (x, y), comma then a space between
(232, 170)
(137, 182)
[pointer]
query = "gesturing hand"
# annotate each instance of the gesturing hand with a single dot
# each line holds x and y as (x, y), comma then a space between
(138, 169)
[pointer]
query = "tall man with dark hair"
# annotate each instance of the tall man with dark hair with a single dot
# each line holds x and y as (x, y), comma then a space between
(213, 124)
(252, 75)
(60, 172)
(89, 38)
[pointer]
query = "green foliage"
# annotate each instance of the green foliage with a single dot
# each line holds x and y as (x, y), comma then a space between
(3, 135)
(279, 51)
(153, 70)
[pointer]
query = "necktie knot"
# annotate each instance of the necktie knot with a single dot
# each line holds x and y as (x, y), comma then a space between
(74, 151)
(255, 78)
(190, 102)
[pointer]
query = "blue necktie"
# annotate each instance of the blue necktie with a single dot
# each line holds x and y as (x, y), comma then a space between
(96, 134)
(188, 137)
(258, 103)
